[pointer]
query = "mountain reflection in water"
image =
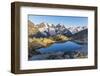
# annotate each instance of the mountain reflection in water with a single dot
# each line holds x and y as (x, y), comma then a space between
(65, 46)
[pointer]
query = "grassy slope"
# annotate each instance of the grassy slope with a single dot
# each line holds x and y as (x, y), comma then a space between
(44, 42)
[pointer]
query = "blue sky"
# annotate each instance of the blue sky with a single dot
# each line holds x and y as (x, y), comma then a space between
(65, 20)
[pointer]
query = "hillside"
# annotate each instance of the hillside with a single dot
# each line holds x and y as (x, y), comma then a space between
(31, 28)
(81, 36)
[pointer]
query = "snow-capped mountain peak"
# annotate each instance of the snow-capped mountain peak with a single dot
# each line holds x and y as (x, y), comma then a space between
(50, 29)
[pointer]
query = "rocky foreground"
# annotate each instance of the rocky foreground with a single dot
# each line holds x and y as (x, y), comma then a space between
(59, 55)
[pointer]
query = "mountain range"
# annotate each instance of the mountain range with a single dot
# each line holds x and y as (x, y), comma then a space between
(45, 30)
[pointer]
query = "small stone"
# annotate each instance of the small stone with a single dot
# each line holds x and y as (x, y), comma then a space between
(67, 57)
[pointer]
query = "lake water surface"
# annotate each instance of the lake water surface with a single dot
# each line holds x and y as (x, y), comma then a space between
(58, 50)
(63, 46)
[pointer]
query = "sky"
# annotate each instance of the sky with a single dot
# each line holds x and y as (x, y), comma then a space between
(64, 20)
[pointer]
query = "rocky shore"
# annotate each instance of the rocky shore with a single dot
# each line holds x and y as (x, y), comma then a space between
(59, 55)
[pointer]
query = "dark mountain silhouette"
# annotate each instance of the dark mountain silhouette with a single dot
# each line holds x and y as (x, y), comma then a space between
(81, 36)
